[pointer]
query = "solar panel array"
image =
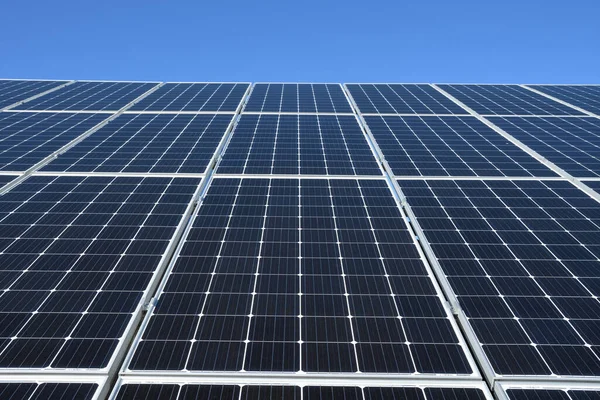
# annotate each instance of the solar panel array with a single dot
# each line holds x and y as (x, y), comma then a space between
(301, 241)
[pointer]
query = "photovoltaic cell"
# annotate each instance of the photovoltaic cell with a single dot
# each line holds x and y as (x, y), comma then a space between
(92, 96)
(402, 99)
(76, 255)
(506, 100)
(573, 144)
(45, 391)
(194, 97)
(193, 391)
(290, 275)
(298, 97)
(180, 143)
(553, 394)
(583, 96)
(13, 91)
(27, 138)
(299, 144)
(449, 146)
(522, 258)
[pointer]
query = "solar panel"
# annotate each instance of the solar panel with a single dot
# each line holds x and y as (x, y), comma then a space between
(533, 391)
(27, 138)
(522, 258)
(449, 146)
(298, 144)
(47, 390)
(275, 271)
(194, 97)
(298, 97)
(506, 100)
(583, 96)
(174, 143)
(260, 392)
(90, 96)
(13, 91)
(77, 254)
(402, 99)
(571, 143)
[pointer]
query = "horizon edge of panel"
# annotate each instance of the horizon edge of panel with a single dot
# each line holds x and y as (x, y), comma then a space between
(402, 98)
(230, 305)
(586, 97)
(506, 99)
(16, 90)
(298, 98)
(88, 96)
(521, 259)
(79, 254)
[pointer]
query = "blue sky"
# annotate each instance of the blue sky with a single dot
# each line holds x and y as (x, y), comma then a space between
(508, 41)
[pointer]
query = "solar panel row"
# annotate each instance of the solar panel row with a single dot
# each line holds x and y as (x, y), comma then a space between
(251, 392)
(302, 277)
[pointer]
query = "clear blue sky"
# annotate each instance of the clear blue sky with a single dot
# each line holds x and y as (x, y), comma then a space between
(505, 41)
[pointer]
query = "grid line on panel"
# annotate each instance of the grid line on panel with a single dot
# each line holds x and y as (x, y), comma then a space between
(27, 138)
(298, 144)
(16, 390)
(521, 263)
(91, 96)
(506, 100)
(449, 146)
(151, 143)
(297, 98)
(77, 251)
(194, 97)
(573, 144)
(401, 99)
(312, 391)
(16, 92)
(586, 98)
(194, 292)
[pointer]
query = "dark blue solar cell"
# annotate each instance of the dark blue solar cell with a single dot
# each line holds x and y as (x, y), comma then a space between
(298, 144)
(167, 391)
(194, 97)
(14, 91)
(583, 96)
(232, 301)
(302, 97)
(521, 292)
(166, 143)
(573, 144)
(402, 99)
(27, 138)
(43, 391)
(92, 96)
(449, 146)
(68, 299)
(506, 100)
